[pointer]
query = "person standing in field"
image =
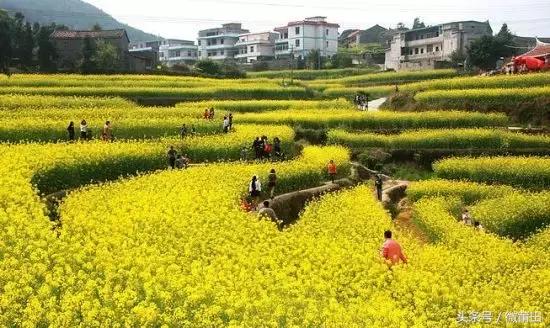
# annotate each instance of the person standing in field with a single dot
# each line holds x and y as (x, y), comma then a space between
(211, 113)
(206, 114)
(277, 149)
(183, 131)
(230, 117)
(379, 184)
(331, 170)
(256, 145)
(172, 153)
(391, 250)
(255, 190)
(272, 183)
(70, 130)
(107, 131)
(83, 130)
(225, 124)
(466, 218)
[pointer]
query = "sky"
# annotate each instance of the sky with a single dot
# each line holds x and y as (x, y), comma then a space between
(183, 19)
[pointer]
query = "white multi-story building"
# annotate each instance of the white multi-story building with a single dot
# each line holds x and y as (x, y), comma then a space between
(253, 47)
(301, 37)
(219, 43)
(428, 47)
(175, 52)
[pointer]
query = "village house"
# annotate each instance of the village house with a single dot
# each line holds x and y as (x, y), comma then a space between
(177, 52)
(430, 47)
(301, 37)
(219, 43)
(69, 44)
(354, 38)
(254, 47)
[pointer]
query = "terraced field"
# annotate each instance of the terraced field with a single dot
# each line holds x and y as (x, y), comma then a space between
(135, 243)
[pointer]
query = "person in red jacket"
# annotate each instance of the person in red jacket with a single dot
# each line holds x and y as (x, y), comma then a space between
(331, 170)
(391, 250)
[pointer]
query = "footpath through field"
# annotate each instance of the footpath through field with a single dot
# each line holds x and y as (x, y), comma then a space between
(375, 104)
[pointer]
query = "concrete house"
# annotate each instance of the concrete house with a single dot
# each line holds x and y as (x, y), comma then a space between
(254, 47)
(219, 43)
(432, 46)
(174, 52)
(301, 37)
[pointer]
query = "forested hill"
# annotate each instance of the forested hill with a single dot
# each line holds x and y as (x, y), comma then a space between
(75, 14)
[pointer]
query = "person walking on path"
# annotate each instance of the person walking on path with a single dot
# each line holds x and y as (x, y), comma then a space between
(83, 130)
(70, 130)
(391, 250)
(272, 183)
(379, 184)
(331, 170)
(107, 131)
(268, 212)
(255, 190)
(172, 153)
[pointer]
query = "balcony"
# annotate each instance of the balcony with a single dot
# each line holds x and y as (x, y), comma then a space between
(429, 55)
(423, 42)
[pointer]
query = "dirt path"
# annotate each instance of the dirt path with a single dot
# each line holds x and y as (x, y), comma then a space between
(374, 105)
(405, 224)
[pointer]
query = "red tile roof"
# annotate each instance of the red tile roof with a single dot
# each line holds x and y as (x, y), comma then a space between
(540, 50)
(107, 34)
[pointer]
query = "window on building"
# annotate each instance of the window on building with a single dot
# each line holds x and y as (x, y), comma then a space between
(436, 49)
(285, 35)
(221, 41)
(177, 54)
(214, 42)
(221, 53)
(242, 40)
(416, 51)
(215, 53)
(208, 43)
(297, 30)
(252, 49)
(430, 48)
(297, 43)
(327, 44)
(189, 54)
(422, 50)
(411, 52)
(327, 31)
(199, 42)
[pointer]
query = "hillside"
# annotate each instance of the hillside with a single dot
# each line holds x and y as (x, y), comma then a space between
(76, 14)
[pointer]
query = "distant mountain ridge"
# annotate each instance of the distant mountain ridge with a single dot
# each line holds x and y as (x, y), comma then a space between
(76, 14)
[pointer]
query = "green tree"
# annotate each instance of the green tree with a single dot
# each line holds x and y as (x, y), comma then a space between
(418, 24)
(341, 60)
(483, 52)
(6, 40)
(314, 59)
(106, 57)
(47, 54)
(505, 41)
(458, 58)
(27, 47)
(208, 67)
(87, 64)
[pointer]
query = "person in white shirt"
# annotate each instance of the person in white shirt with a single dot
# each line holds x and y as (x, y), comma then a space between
(255, 190)
(466, 218)
(83, 130)
(225, 124)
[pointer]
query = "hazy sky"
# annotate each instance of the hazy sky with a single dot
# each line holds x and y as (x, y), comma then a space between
(183, 18)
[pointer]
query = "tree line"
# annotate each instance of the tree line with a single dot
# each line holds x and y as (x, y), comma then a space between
(25, 45)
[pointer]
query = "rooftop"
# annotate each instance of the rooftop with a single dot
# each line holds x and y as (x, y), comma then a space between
(105, 34)
(541, 49)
